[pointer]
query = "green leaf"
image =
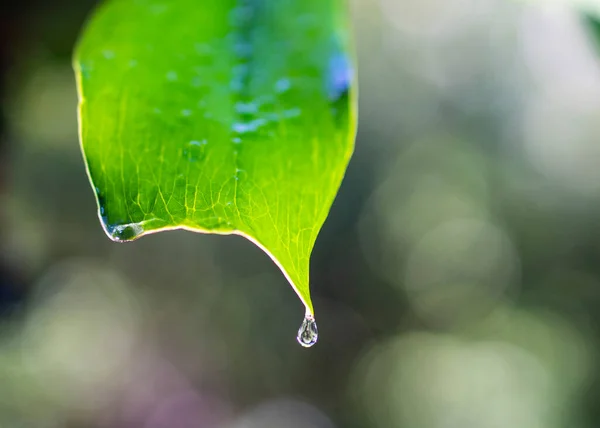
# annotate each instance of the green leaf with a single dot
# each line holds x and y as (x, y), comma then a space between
(219, 116)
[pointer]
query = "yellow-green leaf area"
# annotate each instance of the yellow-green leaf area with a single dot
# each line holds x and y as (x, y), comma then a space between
(219, 116)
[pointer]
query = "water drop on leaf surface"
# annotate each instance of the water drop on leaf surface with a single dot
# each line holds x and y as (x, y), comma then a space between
(308, 333)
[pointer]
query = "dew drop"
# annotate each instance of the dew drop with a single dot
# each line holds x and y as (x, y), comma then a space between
(308, 333)
(293, 112)
(202, 49)
(124, 232)
(86, 68)
(283, 85)
(194, 151)
(241, 69)
(242, 50)
(236, 85)
(241, 15)
(246, 108)
(340, 77)
(243, 127)
(196, 82)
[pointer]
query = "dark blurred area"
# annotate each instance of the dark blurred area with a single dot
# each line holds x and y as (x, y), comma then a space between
(456, 282)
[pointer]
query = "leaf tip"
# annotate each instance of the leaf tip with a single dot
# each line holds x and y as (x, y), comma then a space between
(303, 293)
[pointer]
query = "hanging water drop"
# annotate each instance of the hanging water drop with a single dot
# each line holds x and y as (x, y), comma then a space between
(308, 333)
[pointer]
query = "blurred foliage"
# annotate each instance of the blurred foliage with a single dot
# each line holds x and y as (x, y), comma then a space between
(456, 280)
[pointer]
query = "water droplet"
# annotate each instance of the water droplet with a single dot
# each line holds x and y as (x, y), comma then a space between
(242, 49)
(108, 54)
(124, 232)
(293, 112)
(236, 84)
(246, 108)
(308, 333)
(196, 82)
(172, 76)
(283, 85)
(307, 20)
(240, 69)
(195, 150)
(186, 112)
(340, 77)
(241, 15)
(202, 48)
(86, 68)
(243, 127)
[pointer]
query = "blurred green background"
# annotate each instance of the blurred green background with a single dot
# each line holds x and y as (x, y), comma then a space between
(456, 282)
